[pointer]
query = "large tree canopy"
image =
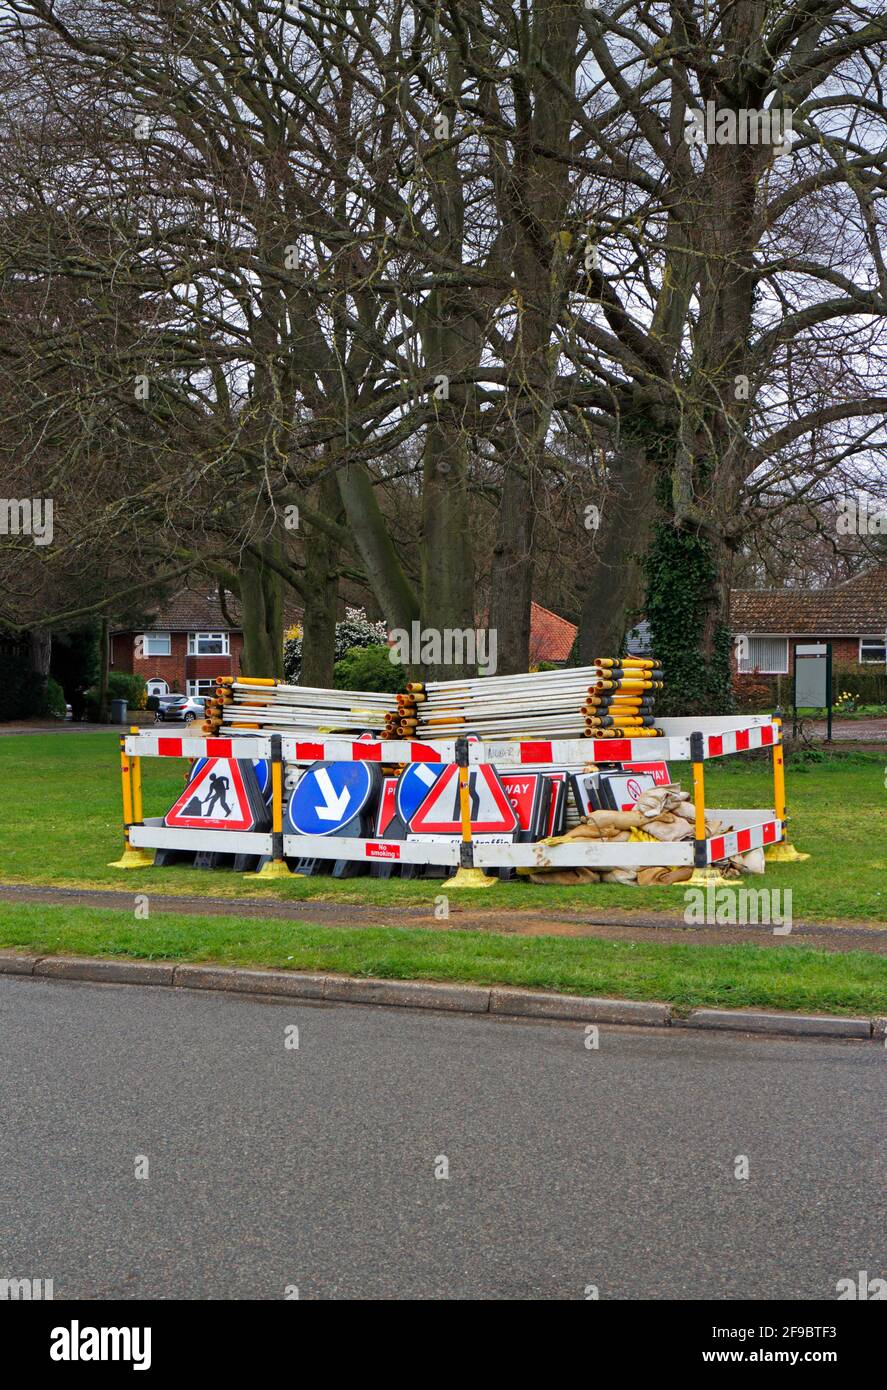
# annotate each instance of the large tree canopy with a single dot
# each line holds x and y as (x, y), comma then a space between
(434, 278)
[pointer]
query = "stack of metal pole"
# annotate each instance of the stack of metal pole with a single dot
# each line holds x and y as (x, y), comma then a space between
(611, 699)
(247, 705)
(545, 704)
(621, 696)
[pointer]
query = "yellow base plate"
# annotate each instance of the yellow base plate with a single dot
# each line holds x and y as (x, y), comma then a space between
(701, 878)
(470, 878)
(275, 868)
(783, 854)
(133, 859)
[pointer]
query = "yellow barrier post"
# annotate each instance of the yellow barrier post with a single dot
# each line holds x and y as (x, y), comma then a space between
(276, 866)
(466, 876)
(784, 852)
(703, 872)
(131, 787)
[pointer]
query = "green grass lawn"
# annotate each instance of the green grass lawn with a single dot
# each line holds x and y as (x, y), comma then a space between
(685, 976)
(60, 824)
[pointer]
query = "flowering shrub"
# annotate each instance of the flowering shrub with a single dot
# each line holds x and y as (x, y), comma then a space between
(355, 630)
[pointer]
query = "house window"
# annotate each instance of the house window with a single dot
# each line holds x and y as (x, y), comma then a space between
(208, 644)
(769, 655)
(873, 651)
(203, 689)
(156, 644)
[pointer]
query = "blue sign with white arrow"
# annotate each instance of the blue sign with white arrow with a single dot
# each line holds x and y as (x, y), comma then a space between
(334, 799)
(414, 784)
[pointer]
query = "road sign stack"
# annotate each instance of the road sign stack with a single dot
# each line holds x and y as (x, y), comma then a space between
(272, 801)
(246, 705)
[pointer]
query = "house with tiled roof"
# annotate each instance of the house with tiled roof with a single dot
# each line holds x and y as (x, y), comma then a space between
(188, 641)
(852, 616)
(185, 643)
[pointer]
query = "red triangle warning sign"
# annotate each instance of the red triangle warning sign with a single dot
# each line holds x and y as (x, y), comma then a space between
(491, 811)
(216, 799)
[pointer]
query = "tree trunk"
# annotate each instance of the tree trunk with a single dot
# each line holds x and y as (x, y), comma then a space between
(511, 575)
(262, 618)
(614, 585)
(688, 606)
(537, 195)
(451, 343)
(388, 581)
(447, 556)
(41, 650)
(321, 594)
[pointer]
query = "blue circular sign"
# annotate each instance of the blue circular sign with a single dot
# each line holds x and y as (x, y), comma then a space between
(413, 785)
(329, 796)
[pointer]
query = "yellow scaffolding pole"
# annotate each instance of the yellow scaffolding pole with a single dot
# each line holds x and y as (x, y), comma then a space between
(276, 866)
(131, 792)
(783, 853)
(466, 876)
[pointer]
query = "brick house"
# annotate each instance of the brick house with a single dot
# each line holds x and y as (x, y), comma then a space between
(187, 643)
(852, 616)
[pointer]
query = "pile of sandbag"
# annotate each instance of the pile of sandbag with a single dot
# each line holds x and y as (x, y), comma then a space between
(662, 813)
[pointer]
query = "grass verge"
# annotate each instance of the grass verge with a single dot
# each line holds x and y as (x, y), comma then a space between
(61, 825)
(687, 977)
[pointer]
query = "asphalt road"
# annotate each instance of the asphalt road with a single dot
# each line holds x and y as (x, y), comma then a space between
(568, 1167)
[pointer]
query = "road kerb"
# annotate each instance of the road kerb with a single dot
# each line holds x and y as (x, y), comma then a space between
(411, 994)
(282, 982)
(578, 1008)
(11, 964)
(104, 971)
(809, 1025)
(502, 1002)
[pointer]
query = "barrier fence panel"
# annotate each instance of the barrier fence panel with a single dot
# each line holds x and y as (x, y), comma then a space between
(695, 740)
(720, 737)
(428, 850)
(153, 834)
(150, 744)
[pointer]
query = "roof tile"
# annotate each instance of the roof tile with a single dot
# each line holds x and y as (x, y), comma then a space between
(856, 608)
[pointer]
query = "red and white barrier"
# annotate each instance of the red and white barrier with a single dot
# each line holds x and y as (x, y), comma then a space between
(431, 849)
(739, 841)
(715, 738)
(150, 743)
(721, 737)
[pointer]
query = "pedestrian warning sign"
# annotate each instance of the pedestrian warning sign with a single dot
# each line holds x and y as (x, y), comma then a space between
(224, 794)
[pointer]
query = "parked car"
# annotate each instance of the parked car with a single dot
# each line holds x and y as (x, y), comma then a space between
(179, 709)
